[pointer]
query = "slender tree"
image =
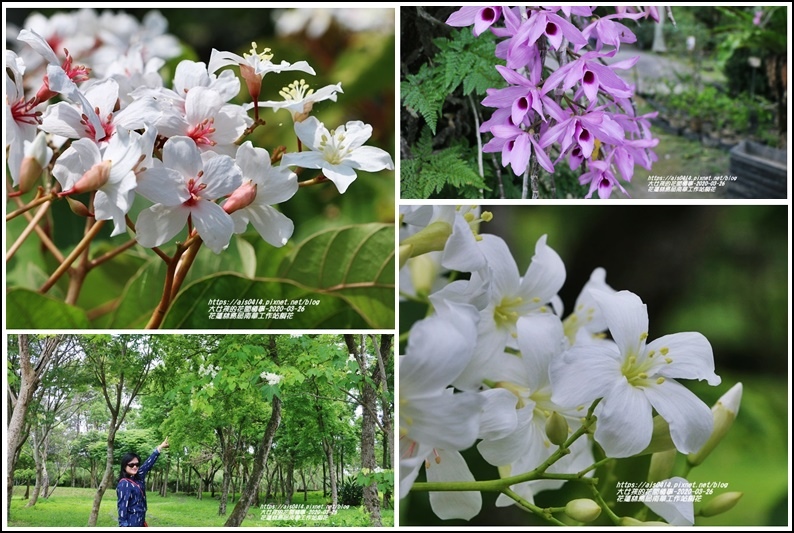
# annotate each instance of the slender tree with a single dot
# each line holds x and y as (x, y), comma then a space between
(121, 365)
(33, 359)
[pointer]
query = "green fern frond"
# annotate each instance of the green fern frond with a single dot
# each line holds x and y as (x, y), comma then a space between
(429, 172)
(424, 93)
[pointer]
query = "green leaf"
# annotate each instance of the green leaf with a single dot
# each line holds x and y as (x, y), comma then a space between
(355, 263)
(140, 296)
(26, 309)
(191, 308)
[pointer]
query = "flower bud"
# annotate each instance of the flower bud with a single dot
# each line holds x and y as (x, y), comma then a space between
(406, 251)
(583, 510)
(724, 413)
(662, 464)
(253, 81)
(557, 431)
(424, 272)
(94, 178)
(720, 504)
(37, 156)
(78, 208)
(242, 197)
(432, 238)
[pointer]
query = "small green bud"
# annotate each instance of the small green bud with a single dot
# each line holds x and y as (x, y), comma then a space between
(583, 510)
(405, 253)
(720, 504)
(432, 238)
(662, 464)
(724, 413)
(557, 429)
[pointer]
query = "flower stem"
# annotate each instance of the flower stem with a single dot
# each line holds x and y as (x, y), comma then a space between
(600, 500)
(314, 181)
(543, 513)
(185, 264)
(32, 225)
(113, 253)
(33, 203)
(64, 266)
(498, 485)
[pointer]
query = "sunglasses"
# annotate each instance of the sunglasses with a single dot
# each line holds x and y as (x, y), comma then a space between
(133, 465)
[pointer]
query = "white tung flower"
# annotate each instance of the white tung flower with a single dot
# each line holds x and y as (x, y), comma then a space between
(633, 378)
(339, 153)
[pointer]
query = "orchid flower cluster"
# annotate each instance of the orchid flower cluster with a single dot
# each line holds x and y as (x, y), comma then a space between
(86, 104)
(575, 105)
(546, 396)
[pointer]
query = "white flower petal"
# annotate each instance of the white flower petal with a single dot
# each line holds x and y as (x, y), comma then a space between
(691, 356)
(274, 227)
(545, 275)
(627, 318)
(63, 119)
(370, 159)
(309, 132)
(437, 353)
(181, 154)
(461, 252)
(445, 421)
(499, 414)
(341, 175)
(163, 186)
(159, 224)
(676, 511)
(454, 504)
(583, 374)
(221, 176)
(540, 339)
(213, 224)
(689, 418)
(625, 425)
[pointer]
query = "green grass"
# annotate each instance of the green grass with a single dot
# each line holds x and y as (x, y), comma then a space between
(71, 507)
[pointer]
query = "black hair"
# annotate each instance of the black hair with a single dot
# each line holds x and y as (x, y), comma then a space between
(126, 458)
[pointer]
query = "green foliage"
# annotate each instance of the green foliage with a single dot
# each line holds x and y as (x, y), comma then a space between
(347, 271)
(462, 60)
(424, 93)
(384, 479)
(431, 171)
(351, 492)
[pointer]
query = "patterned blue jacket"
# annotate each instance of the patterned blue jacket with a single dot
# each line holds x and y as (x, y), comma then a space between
(131, 493)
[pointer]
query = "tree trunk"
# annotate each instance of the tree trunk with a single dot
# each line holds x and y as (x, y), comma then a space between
(369, 404)
(107, 477)
(260, 460)
(36, 444)
(30, 377)
(329, 456)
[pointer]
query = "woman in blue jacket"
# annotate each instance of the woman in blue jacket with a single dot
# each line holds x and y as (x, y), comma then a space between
(131, 489)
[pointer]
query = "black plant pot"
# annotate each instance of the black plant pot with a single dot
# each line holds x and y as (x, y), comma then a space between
(760, 171)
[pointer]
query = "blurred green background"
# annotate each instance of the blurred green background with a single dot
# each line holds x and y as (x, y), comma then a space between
(719, 270)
